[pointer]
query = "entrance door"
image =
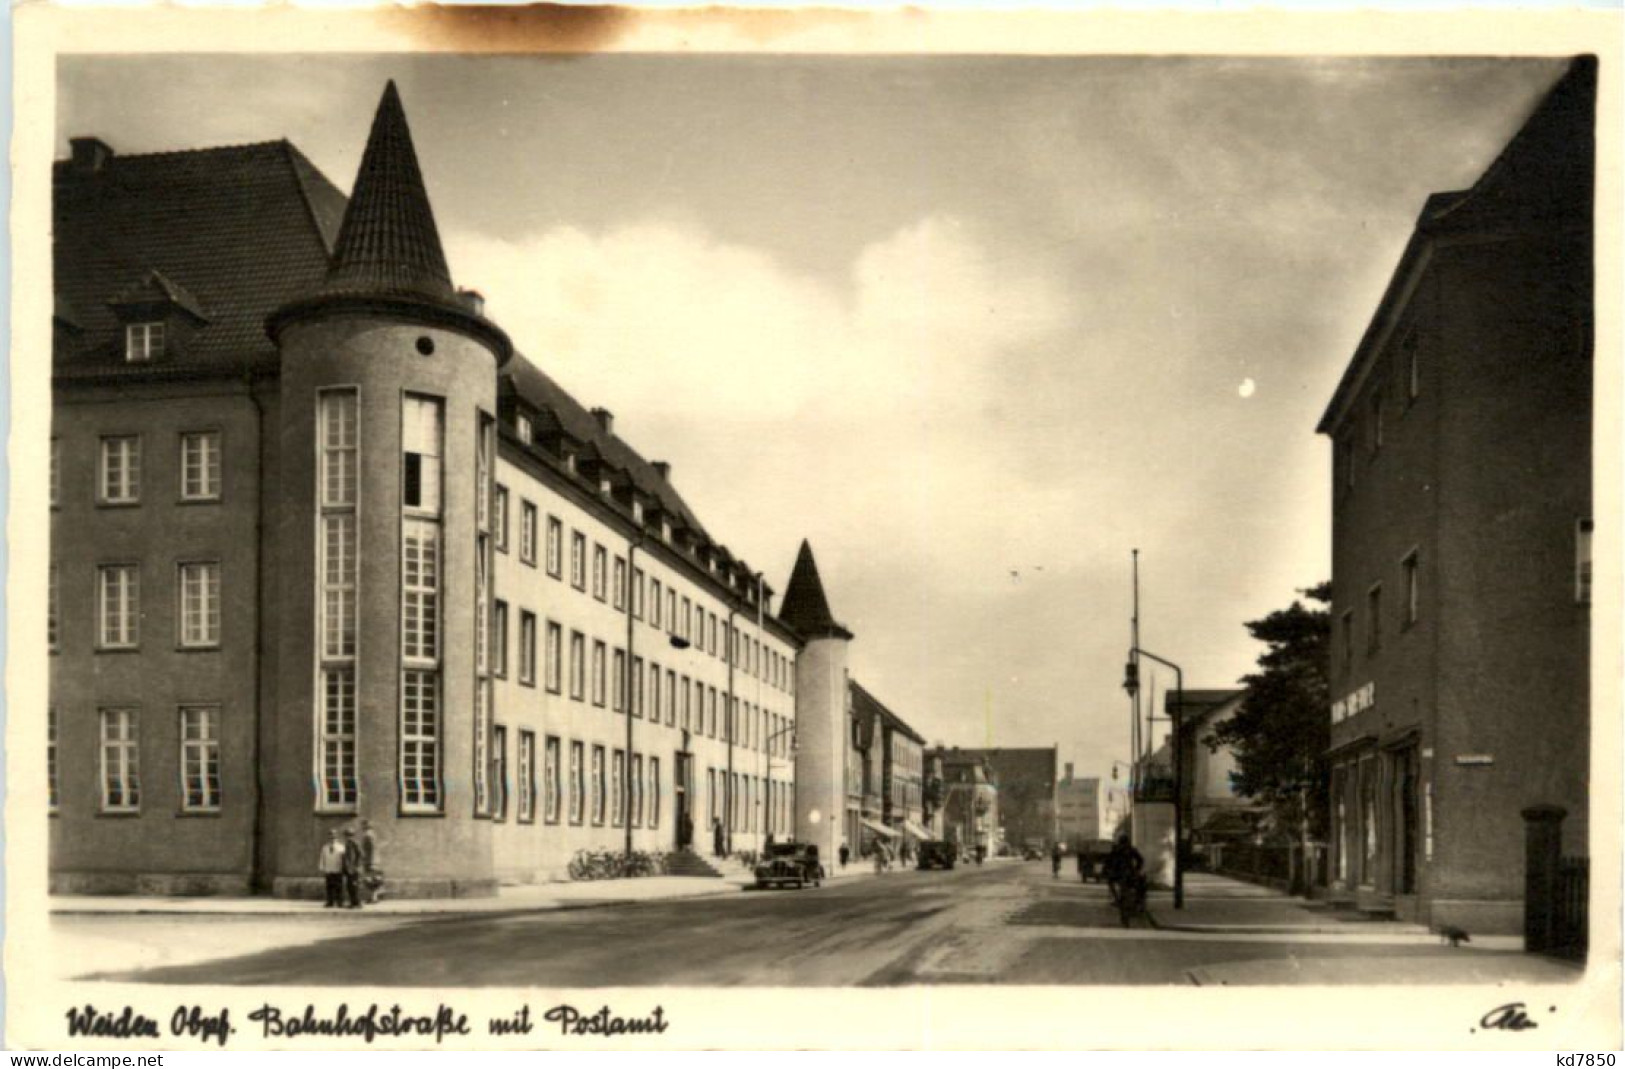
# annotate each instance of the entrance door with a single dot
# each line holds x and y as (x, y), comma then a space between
(683, 784)
(1406, 838)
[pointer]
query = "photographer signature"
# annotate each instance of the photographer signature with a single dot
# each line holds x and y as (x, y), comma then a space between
(1508, 1018)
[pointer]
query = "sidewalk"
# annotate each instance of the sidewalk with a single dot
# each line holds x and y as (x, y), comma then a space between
(586, 894)
(1219, 904)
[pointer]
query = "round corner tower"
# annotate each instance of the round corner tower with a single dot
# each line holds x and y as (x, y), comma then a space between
(822, 731)
(387, 455)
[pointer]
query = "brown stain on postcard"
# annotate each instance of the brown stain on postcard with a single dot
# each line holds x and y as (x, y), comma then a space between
(568, 28)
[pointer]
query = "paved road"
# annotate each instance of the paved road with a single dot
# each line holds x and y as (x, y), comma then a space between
(1003, 923)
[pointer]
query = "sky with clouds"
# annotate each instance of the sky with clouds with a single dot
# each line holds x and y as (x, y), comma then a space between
(975, 327)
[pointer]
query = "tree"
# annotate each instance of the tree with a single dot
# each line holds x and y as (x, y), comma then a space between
(1282, 728)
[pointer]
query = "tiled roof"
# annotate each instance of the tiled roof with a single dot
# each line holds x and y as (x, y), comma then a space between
(388, 243)
(242, 229)
(867, 705)
(155, 288)
(557, 412)
(805, 607)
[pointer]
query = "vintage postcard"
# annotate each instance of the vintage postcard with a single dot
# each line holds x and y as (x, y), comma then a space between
(580, 528)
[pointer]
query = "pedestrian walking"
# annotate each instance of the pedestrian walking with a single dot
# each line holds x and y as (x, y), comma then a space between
(352, 869)
(846, 854)
(716, 837)
(1055, 860)
(330, 863)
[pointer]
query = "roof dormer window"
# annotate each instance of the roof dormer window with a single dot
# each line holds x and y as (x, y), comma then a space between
(523, 426)
(143, 342)
(637, 510)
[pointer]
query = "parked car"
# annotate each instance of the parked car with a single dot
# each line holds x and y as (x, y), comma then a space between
(935, 854)
(1093, 852)
(789, 863)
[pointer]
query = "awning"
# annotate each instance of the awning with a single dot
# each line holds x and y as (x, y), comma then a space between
(916, 831)
(878, 828)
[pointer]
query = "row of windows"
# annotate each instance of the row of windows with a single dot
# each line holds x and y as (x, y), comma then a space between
(681, 700)
(119, 759)
(1403, 379)
(118, 472)
(118, 606)
(663, 607)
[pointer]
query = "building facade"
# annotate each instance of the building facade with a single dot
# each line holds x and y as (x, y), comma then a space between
(1087, 809)
(1461, 436)
(1026, 779)
(326, 547)
(970, 806)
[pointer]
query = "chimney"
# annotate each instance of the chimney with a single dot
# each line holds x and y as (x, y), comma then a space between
(662, 468)
(606, 420)
(473, 301)
(90, 154)
(1069, 771)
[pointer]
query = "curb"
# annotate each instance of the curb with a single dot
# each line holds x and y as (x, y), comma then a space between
(1288, 929)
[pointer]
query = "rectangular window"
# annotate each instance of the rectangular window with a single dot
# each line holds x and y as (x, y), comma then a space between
(1413, 605)
(499, 772)
(53, 627)
(688, 705)
(671, 610)
(499, 640)
(654, 603)
(422, 424)
(340, 438)
(578, 785)
(118, 614)
(337, 567)
(1582, 562)
(200, 466)
(600, 568)
(502, 518)
(654, 792)
(420, 590)
(620, 681)
(555, 657)
(143, 342)
(637, 593)
(1411, 354)
(637, 686)
(617, 785)
(578, 666)
(53, 796)
(654, 693)
(578, 560)
(637, 790)
(527, 648)
(336, 739)
(121, 761)
(671, 698)
(527, 777)
(552, 797)
(599, 655)
(121, 470)
(200, 604)
(527, 533)
(1348, 641)
(555, 547)
(711, 716)
(1374, 425)
(1345, 459)
(1373, 600)
(420, 741)
(200, 758)
(713, 625)
(620, 584)
(681, 626)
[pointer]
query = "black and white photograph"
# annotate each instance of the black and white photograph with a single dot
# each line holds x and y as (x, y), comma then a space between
(537, 503)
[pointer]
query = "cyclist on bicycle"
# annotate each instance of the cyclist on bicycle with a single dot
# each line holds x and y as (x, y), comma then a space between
(1123, 866)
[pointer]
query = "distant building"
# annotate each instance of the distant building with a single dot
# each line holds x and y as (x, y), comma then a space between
(1461, 537)
(1087, 808)
(1026, 779)
(1214, 811)
(970, 809)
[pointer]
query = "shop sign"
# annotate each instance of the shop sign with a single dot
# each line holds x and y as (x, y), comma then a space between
(1357, 702)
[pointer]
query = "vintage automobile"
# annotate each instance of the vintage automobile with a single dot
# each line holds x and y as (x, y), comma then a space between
(789, 863)
(935, 854)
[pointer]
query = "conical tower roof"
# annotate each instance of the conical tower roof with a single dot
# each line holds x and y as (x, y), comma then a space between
(805, 607)
(388, 243)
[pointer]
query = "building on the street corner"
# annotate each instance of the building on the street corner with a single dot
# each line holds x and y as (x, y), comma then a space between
(970, 805)
(1088, 809)
(326, 547)
(1461, 544)
(1026, 779)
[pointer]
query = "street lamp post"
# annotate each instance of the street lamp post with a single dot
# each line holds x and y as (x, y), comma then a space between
(1131, 683)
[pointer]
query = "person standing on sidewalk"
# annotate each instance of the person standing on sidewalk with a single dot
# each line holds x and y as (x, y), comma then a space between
(846, 854)
(372, 876)
(716, 837)
(1055, 860)
(330, 863)
(352, 870)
